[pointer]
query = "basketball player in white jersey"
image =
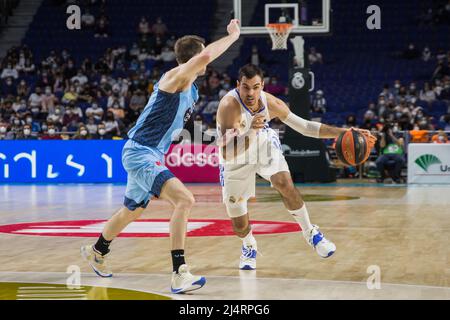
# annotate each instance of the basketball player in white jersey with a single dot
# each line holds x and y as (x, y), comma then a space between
(248, 146)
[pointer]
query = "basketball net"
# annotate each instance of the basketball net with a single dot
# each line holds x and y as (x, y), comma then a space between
(279, 32)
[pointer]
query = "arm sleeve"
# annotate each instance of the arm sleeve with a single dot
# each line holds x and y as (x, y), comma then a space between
(305, 127)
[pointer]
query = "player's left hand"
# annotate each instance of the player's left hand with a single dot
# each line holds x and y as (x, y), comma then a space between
(371, 139)
(233, 28)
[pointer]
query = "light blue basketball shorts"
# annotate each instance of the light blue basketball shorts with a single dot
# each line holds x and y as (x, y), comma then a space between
(146, 174)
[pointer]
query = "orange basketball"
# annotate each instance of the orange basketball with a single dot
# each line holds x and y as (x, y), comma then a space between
(352, 148)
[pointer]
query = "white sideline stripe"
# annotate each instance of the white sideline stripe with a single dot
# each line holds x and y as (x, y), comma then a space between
(134, 227)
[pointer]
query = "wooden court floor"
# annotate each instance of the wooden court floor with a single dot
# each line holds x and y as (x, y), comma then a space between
(403, 232)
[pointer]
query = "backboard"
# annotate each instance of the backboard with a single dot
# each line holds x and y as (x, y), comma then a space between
(307, 16)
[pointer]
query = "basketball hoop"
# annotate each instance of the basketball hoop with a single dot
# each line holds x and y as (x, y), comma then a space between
(279, 32)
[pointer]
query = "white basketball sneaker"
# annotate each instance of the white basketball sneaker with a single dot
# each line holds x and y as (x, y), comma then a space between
(248, 258)
(184, 281)
(316, 239)
(97, 261)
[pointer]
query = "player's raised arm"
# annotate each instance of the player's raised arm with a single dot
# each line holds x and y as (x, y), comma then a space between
(197, 63)
(307, 128)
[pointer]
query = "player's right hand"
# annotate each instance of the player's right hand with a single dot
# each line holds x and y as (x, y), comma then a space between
(258, 122)
(233, 28)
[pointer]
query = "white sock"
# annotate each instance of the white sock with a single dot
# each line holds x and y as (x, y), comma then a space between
(249, 240)
(302, 218)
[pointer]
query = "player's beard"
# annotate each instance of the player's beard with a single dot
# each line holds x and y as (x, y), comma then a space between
(251, 102)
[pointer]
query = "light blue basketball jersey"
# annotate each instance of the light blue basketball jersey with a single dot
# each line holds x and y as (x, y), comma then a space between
(164, 117)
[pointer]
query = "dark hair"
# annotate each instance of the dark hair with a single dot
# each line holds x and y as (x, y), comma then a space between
(188, 46)
(249, 71)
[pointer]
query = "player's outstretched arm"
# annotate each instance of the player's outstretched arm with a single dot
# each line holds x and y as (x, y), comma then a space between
(211, 52)
(278, 108)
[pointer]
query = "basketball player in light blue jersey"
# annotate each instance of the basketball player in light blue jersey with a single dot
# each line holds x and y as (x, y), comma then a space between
(169, 107)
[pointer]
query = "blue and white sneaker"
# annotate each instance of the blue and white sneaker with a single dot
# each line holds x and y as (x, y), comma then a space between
(184, 281)
(97, 261)
(248, 258)
(316, 239)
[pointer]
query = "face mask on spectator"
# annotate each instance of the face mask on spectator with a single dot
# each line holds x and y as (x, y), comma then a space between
(29, 120)
(441, 138)
(44, 127)
(83, 132)
(397, 85)
(9, 82)
(48, 91)
(2, 129)
(17, 122)
(27, 132)
(51, 131)
(101, 132)
(94, 106)
(35, 110)
(57, 111)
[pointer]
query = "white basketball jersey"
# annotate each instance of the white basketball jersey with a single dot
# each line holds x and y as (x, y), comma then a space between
(245, 124)
(246, 114)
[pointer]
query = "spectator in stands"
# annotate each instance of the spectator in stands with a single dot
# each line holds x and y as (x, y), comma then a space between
(6, 110)
(427, 94)
(102, 134)
(49, 100)
(9, 72)
(57, 115)
(111, 124)
(20, 105)
(69, 71)
(22, 89)
(314, 56)
(159, 28)
(5, 134)
(411, 52)
(25, 134)
(91, 126)
(70, 95)
(442, 70)
(29, 68)
(87, 19)
(387, 93)
(319, 104)
(117, 110)
(51, 134)
(445, 93)
(391, 155)
(350, 121)
(34, 124)
(95, 112)
(71, 116)
(82, 134)
(80, 77)
(440, 137)
(426, 54)
(167, 54)
(275, 87)
(144, 27)
(102, 29)
(8, 88)
(35, 99)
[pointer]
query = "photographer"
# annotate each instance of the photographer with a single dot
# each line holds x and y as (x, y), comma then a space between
(392, 155)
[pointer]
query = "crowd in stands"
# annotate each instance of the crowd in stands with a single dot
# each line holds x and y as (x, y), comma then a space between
(60, 98)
